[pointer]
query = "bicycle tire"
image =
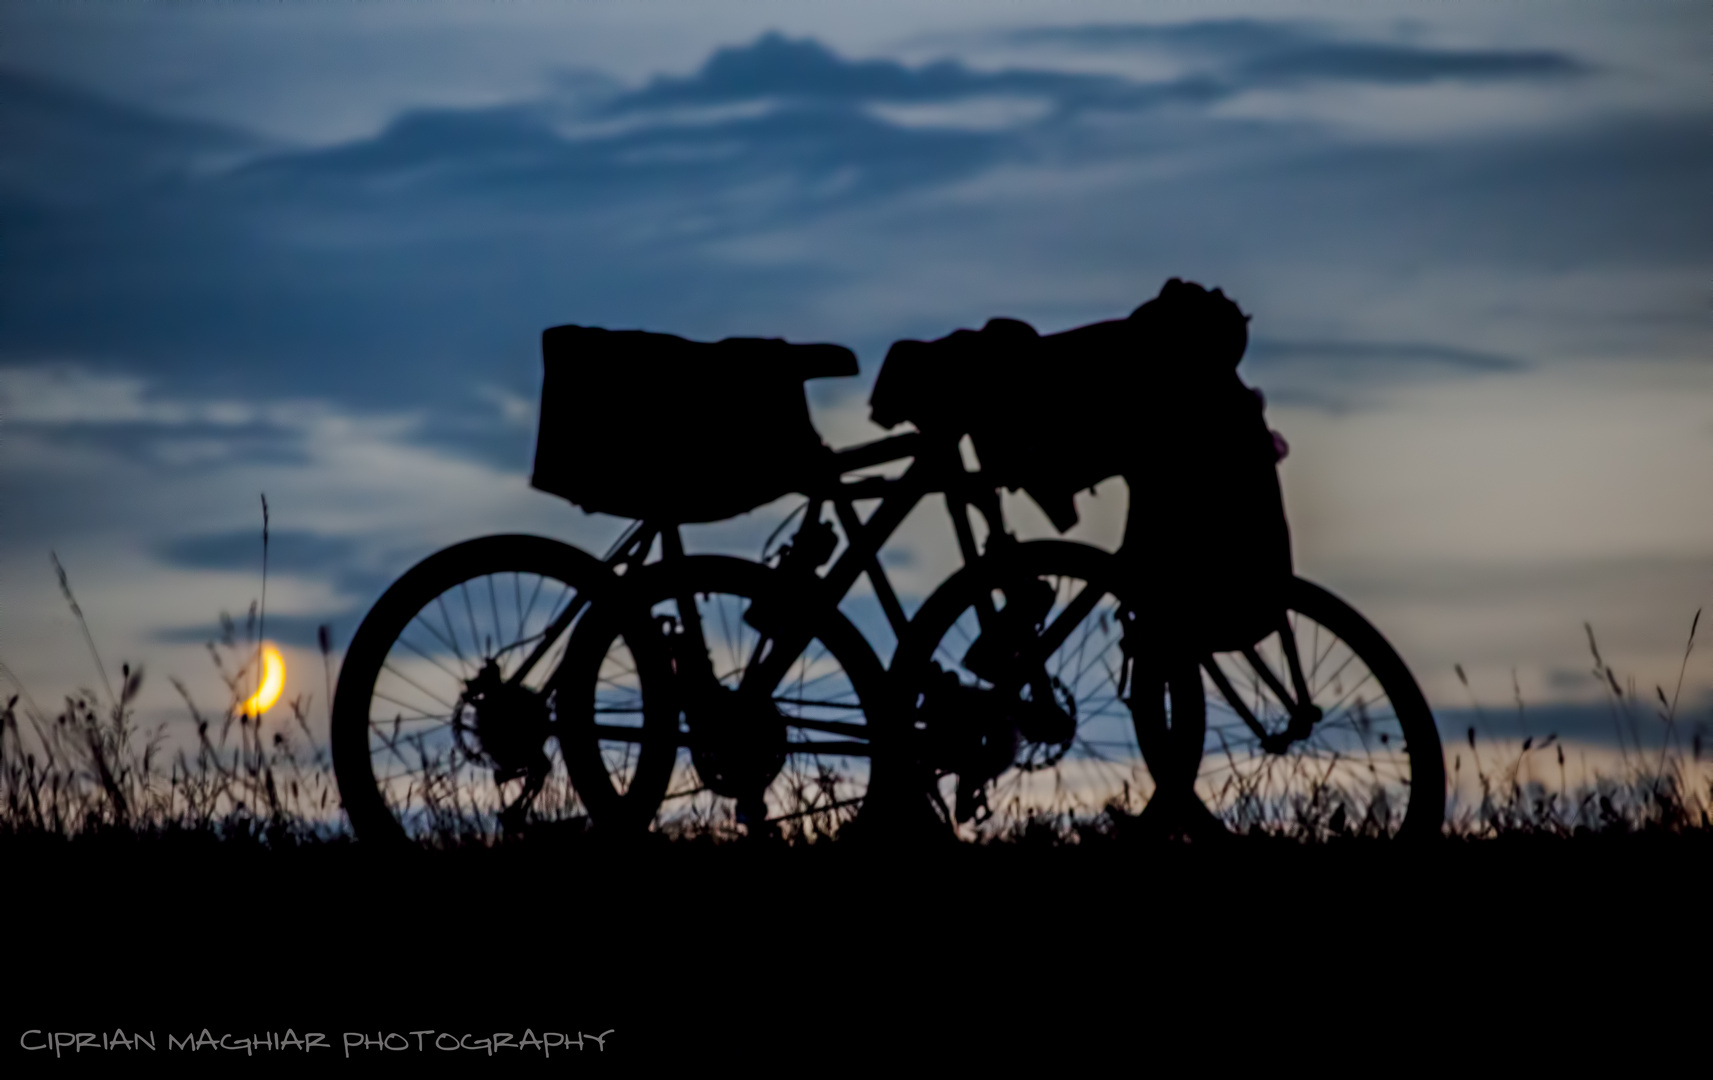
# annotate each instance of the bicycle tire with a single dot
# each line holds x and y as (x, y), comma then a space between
(420, 749)
(1109, 764)
(811, 793)
(1374, 747)
(1195, 740)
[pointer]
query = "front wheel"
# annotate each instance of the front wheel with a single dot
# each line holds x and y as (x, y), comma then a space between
(1026, 702)
(1319, 729)
(1042, 687)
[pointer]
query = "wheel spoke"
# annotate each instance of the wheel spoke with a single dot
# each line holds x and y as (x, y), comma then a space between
(408, 675)
(1363, 752)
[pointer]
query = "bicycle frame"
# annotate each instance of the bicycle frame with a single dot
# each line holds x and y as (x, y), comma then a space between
(937, 467)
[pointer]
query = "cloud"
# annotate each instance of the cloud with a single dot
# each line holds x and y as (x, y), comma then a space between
(1218, 36)
(780, 188)
(72, 395)
(338, 561)
(806, 73)
(1256, 53)
(1576, 725)
(289, 551)
(71, 406)
(1400, 64)
(1357, 355)
(65, 146)
(296, 629)
(1339, 376)
(776, 67)
(169, 294)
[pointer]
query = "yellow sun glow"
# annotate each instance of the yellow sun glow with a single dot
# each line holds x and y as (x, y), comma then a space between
(273, 681)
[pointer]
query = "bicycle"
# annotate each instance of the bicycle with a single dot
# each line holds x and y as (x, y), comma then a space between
(455, 682)
(634, 668)
(695, 691)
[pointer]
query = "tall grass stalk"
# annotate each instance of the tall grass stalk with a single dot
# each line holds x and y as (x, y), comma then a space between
(88, 768)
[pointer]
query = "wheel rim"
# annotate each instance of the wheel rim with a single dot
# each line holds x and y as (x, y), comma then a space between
(817, 776)
(1352, 773)
(455, 741)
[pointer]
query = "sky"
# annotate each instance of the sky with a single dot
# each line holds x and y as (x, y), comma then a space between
(307, 248)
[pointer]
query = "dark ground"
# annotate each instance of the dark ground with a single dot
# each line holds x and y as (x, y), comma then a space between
(812, 959)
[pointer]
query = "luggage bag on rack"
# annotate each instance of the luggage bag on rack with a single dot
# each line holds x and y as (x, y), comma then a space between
(647, 425)
(1154, 398)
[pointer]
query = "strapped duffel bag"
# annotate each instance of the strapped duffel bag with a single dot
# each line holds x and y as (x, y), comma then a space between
(1154, 398)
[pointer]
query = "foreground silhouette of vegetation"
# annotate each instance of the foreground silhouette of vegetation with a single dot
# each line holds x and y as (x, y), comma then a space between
(203, 878)
(89, 773)
(87, 776)
(215, 885)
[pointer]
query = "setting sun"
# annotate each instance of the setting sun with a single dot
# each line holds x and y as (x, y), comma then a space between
(273, 681)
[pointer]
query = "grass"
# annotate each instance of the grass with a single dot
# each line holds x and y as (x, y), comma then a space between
(89, 769)
(86, 770)
(215, 885)
(1668, 790)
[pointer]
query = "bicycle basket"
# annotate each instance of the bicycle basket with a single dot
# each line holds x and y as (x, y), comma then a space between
(646, 425)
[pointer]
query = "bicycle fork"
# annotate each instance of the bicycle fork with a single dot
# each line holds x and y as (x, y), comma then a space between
(1303, 713)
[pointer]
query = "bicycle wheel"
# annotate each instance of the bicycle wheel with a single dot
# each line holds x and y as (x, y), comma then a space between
(447, 700)
(791, 756)
(1022, 713)
(1365, 760)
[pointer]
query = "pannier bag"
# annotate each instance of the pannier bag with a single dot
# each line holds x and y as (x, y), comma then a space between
(646, 425)
(1154, 398)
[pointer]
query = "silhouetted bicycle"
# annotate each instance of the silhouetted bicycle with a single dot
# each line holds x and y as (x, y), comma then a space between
(693, 690)
(690, 689)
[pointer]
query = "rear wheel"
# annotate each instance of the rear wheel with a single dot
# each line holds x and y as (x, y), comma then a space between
(770, 742)
(447, 703)
(1021, 714)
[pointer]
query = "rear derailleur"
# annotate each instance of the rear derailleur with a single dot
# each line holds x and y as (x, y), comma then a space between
(980, 732)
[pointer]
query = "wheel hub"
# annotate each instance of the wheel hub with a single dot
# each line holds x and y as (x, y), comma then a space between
(509, 727)
(1303, 720)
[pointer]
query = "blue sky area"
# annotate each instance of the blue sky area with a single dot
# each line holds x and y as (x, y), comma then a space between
(308, 249)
